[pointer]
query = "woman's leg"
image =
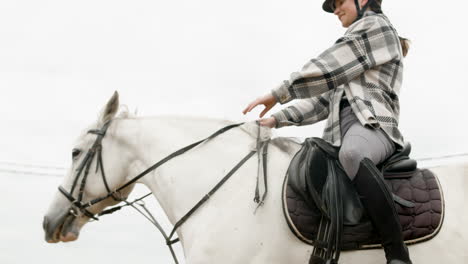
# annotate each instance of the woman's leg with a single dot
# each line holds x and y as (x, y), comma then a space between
(378, 201)
(362, 148)
(361, 142)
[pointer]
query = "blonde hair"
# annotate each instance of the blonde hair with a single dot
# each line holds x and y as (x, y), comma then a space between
(405, 43)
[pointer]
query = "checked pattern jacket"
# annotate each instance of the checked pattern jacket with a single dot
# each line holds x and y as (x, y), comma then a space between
(365, 65)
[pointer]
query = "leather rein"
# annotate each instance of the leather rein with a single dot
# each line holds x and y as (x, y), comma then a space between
(77, 204)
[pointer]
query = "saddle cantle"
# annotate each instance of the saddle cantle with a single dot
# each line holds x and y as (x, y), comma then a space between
(417, 194)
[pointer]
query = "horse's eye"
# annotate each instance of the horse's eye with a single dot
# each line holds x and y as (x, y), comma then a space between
(75, 153)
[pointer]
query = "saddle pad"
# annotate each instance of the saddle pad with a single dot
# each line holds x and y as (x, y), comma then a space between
(419, 223)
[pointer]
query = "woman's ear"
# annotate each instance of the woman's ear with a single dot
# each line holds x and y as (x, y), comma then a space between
(363, 2)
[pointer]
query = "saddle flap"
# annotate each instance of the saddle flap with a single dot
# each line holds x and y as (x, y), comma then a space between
(308, 173)
(421, 220)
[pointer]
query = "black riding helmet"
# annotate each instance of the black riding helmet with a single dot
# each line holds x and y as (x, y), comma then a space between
(329, 6)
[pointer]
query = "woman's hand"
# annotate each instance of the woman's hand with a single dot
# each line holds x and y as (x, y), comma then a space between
(268, 122)
(268, 101)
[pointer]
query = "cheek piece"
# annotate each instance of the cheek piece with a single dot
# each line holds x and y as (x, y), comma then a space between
(360, 11)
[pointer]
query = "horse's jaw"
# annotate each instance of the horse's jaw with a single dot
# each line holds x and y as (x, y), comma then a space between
(63, 227)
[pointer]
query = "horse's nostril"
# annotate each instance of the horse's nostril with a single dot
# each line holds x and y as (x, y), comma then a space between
(45, 223)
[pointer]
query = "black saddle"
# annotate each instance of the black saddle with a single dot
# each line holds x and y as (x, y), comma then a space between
(317, 159)
(323, 209)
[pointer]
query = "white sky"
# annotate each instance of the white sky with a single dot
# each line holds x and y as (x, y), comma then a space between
(61, 60)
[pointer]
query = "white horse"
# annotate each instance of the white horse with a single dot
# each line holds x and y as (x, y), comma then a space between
(225, 229)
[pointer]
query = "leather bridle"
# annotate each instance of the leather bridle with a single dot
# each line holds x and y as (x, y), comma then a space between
(77, 204)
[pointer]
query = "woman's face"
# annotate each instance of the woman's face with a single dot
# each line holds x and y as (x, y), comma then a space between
(346, 11)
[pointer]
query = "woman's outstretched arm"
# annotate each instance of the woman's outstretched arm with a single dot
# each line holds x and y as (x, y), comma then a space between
(304, 112)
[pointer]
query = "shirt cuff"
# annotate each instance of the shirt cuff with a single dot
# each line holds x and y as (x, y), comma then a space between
(281, 119)
(281, 93)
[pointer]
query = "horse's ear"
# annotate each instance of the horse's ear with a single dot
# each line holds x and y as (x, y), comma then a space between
(110, 109)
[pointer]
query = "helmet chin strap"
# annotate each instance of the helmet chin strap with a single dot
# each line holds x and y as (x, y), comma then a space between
(360, 11)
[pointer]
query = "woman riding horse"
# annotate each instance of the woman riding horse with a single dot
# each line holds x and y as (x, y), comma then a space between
(355, 84)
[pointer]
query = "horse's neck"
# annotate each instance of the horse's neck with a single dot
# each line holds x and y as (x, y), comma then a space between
(182, 181)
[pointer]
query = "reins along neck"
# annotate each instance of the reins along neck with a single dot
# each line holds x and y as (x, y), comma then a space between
(78, 205)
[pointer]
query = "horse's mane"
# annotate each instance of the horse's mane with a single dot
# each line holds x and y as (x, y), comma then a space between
(251, 128)
(124, 113)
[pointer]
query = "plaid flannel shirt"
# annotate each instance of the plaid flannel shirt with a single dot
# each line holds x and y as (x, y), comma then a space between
(365, 65)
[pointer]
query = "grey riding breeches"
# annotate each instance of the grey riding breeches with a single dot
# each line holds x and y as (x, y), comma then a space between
(359, 142)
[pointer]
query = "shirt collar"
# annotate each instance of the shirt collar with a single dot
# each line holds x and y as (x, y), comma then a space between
(369, 13)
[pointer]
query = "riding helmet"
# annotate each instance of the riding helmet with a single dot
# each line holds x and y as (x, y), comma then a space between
(375, 5)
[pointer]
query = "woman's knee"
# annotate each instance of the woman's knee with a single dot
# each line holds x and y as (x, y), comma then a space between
(350, 157)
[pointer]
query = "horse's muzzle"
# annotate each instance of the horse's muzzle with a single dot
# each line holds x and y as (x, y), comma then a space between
(60, 228)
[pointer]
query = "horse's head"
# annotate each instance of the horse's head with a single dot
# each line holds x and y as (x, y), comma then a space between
(100, 163)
